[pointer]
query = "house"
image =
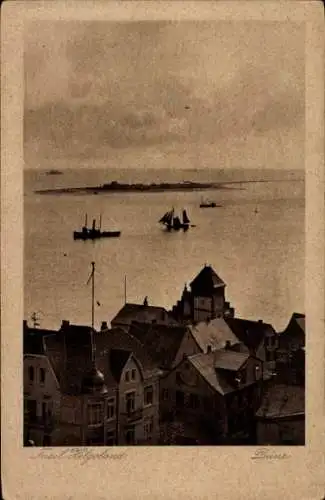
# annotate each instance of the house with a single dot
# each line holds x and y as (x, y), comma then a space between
(86, 415)
(108, 395)
(210, 398)
(290, 354)
(204, 300)
(280, 420)
(138, 385)
(260, 338)
(41, 389)
(143, 313)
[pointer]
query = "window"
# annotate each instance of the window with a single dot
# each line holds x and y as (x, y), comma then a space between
(42, 375)
(257, 372)
(180, 396)
(31, 373)
(130, 401)
(110, 438)
(148, 428)
(194, 401)
(130, 435)
(164, 394)
(110, 411)
(133, 373)
(31, 408)
(127, 376)
(148, 395)
(95, 413)
(207, 403)
(44, 411)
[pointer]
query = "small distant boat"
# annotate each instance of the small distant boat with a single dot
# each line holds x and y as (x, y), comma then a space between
(94, 232)
(174, 222)
(54, 172)
(208, 204)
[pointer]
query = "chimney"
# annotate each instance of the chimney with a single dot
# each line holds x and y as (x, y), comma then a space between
(65, 323)
(25, 325)
(104, 326)
(260, 321)
(228, 344)
(209, 349)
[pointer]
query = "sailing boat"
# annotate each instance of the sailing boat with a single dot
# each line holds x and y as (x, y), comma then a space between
(94, 232)
(172, 221)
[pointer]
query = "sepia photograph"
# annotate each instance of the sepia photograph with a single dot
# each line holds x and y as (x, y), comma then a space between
(164, 233)
(162, 267)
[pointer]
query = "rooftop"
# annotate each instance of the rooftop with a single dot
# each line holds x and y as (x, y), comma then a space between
(117, 338)
(117, 361)
(208, 365)
(214, 333)
(142, 313)
(250, 333)
(295, 327)
(33, 339)
(282, 401)
(161, 341)
(229, 360)
(207, 279)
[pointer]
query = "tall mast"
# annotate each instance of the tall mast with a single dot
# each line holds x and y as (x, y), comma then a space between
(92, 295)
(92, 278)
(86, 220)
(100, 222)
(125, 289)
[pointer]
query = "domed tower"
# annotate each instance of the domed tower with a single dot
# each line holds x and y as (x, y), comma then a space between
(94, 394)
(93, 382)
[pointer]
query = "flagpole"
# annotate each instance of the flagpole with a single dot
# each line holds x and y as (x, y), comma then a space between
(125, 289)
(93, 295)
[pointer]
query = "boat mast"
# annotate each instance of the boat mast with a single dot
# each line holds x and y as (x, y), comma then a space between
(100, 222)
(86, 220)
(125, 289)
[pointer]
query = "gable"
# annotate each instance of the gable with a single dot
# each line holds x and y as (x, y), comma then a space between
(188, 347)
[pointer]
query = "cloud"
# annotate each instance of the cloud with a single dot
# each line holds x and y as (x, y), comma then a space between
(97, 86)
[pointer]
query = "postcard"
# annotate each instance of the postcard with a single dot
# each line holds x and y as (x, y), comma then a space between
(162, 255)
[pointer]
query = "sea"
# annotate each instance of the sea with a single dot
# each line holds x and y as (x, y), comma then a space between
(254, 242)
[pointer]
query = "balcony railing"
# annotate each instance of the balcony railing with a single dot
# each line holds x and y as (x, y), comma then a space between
(134, 415)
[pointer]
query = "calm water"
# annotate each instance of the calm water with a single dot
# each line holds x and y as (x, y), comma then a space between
(259, 255)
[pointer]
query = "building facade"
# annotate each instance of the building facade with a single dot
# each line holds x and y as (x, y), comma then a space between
(210, 398)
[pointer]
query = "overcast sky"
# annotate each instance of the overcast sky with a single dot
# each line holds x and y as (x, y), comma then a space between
(187, 94)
